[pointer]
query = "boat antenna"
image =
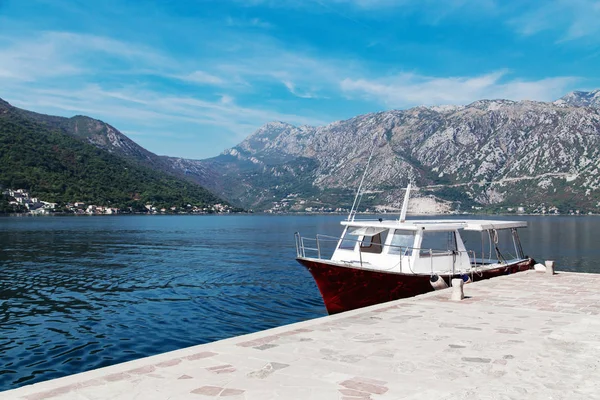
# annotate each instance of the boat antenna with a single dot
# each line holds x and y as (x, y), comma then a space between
(405, 204)
(358, 196)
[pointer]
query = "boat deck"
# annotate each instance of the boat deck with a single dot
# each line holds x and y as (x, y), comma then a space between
(528, 335)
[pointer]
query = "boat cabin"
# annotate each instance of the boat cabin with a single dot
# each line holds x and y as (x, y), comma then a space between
(422, 246)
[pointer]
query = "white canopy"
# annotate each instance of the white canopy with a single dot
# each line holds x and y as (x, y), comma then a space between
(373, 227)
(367, 231)
(482, 225)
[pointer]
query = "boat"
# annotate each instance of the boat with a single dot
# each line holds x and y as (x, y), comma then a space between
(376, 260)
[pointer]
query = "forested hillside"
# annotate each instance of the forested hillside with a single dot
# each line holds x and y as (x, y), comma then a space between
(56, 167)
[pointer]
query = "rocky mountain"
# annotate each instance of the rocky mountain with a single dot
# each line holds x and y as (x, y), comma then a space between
(581, 99)
(490, 153)
(97, 133)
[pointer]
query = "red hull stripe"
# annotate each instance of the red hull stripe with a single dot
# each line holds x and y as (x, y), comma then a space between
(345, 288)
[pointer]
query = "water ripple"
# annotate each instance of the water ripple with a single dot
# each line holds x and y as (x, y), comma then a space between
(79, 293)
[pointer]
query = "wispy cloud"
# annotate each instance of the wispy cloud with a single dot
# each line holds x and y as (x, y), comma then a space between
(202, 77)
(247, 23)
(293, 90)
(430, 11)
(30, 60)
(303, 75)
(571, 19)
(53, 54)
(66, 73)
(146, 108)
(410, 89)
(451, 4)
(223, 75)
(369, 4)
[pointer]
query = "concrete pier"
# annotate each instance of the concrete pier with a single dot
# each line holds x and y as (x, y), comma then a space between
(524, 336)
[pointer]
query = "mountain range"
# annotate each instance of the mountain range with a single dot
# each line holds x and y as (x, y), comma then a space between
(491, 153)
(488, 154)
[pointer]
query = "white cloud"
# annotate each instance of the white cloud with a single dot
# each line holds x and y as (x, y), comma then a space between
(143, 108)
(574, 19)
(58, 54)
(247, 23)
(293, 90)
(371, 4)
(54, 54)
(27, 61)
(225, 99)
(405, 90)
(202, 77)
(65, 73)
(267, 62)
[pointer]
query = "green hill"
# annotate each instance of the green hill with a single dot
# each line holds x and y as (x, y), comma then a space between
(56, 167)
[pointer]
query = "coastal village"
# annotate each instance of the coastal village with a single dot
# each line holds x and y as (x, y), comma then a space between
(21, 200)
(24, 203)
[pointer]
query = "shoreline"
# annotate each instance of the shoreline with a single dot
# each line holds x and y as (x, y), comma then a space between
(299, 213)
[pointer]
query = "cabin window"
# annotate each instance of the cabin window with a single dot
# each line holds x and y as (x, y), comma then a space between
(349, 241)
(373, 244)
(402, 242)
(478, 242)
(437, 242)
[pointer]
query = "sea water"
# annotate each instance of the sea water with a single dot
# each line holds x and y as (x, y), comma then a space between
(79, 293)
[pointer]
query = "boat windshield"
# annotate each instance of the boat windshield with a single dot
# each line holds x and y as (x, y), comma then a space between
(437, 242)
(402, 241)
(349, 241)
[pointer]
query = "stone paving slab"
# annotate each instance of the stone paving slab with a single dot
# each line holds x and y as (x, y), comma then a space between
(524, 336)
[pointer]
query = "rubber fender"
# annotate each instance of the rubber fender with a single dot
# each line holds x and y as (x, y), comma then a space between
(438, 283)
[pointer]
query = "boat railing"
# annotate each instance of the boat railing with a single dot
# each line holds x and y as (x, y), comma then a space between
(314, 245)
(317, 245)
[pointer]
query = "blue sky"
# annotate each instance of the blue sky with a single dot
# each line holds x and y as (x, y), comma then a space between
(191, 78)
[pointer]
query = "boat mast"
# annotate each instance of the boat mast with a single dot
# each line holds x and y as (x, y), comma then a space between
(405, 204)
(356, 202)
